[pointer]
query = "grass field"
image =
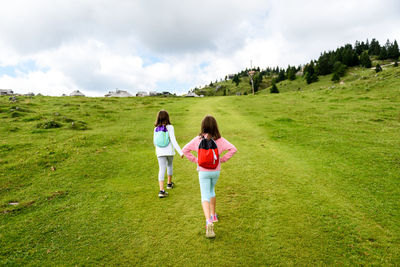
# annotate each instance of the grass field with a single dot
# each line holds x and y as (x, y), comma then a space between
(316, 180)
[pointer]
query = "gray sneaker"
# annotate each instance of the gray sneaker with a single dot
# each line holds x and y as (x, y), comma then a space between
(162, 194)
(210, 230)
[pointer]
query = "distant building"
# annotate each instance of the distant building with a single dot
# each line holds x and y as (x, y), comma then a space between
(6, 92)
(142, 93)
(118, 93)
(63, 95)
(230, 76)
(30, 94)
(191, 94)
(300, 72)
(76, 93)
(153, 93)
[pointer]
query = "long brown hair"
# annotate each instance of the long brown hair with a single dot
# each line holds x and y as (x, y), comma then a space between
(162, 118)
(209, 126)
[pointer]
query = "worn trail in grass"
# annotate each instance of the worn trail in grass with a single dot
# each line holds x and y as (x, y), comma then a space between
(276, 206)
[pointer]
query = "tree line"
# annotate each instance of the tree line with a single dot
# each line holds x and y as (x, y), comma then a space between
(337, 61)
(333, 62)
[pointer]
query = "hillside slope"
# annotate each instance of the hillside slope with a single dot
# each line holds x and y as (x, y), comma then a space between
(315, 180)
(353, 74)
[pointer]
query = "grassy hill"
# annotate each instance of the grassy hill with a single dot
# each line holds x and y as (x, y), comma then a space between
(244, 87)
(315, 180)
(229, 88)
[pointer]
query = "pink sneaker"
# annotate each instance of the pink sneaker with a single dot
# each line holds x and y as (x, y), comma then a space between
(214, 218)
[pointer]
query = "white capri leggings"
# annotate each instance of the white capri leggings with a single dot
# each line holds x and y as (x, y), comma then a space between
(164, 162)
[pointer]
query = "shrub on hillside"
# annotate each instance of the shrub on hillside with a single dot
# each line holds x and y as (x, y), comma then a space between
(274, 89)
(78, 125)
(378, 68)
(335, 77)
(48, 125)
(396, 64)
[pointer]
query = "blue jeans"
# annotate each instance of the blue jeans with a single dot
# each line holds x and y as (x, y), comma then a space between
(207, 182)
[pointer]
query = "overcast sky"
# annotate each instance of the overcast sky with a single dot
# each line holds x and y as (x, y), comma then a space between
(57, 46)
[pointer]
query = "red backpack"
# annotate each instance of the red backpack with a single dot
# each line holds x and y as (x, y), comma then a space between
(207, 155)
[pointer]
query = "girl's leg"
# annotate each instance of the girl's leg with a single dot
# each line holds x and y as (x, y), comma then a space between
(214, 180)
(161, 184)
(205, 185)
(169, 168)
(212, 205)
(206, 210)
(162, 164)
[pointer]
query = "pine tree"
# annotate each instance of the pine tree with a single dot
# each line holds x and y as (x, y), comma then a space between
(383, 54)
(311, 76)
(324, 65)
(236, 79)
(358, 47)
(374, 48)
(291, 73)
(274, 89)
(281, 75)
(339, 68)
(347, 56)
(393, 51)
(365, 60)
(396, 51)
(388, 44)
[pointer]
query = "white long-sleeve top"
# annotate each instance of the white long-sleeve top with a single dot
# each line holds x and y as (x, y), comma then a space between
(169, 149)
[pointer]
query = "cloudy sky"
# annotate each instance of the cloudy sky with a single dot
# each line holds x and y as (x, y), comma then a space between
(57, 46)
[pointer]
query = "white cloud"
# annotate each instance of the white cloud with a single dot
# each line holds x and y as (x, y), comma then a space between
(95, 46)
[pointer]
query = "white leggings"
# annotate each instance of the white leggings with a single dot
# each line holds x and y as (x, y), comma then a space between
(164, 162)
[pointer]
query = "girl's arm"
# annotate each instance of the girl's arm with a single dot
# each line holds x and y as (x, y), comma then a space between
(154, 140)
(173, 140)
(191, 146)
(227, 146)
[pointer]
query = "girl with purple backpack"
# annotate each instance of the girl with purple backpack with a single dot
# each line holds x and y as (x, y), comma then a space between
(165, 143)
(209, 145)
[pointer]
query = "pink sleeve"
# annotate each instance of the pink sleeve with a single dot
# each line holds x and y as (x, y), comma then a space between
(225, 145)
(191, 146)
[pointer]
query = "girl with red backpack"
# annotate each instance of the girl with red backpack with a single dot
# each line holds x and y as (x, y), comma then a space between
(209, 145)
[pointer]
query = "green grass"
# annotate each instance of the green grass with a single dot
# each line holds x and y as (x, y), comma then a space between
(315, 180)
